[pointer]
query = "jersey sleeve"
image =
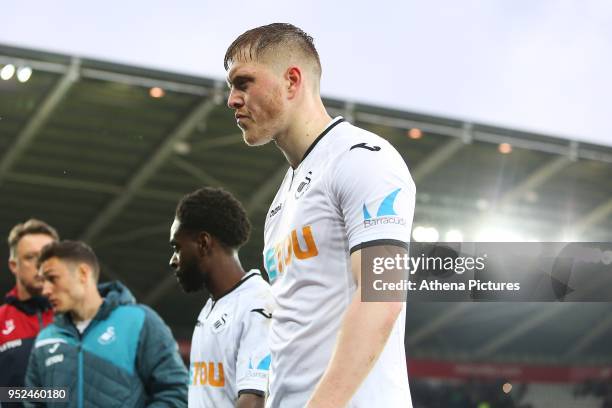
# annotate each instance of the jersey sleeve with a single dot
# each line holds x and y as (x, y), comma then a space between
(374, 194)
(253, 355)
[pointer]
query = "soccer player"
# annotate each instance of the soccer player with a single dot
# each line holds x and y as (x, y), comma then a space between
(346, 191)
(25, 311)
(103, 347)
(230, 356)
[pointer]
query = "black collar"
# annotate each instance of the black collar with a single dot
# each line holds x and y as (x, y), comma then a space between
(237, 285)
(326, 131)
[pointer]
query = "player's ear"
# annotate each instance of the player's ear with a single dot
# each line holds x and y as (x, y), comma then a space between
(12, 263)
(204, 243)
(294, 79)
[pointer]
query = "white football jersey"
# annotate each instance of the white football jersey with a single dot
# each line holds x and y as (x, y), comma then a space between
(229, 348)
(351, 190)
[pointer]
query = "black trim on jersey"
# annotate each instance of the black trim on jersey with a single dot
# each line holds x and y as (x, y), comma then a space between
(236, 286)
(263, 312)
(380, 242)
(364, 145)
(318, 139)
(251, 391)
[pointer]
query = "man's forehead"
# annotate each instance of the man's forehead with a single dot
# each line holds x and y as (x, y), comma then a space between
(34, 239)
(237, 68)
(176, 224)
(49, 265)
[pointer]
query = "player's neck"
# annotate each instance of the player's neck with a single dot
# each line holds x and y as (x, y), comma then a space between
(22, 292)
(227, 274)
(305, 127)
(87, 308)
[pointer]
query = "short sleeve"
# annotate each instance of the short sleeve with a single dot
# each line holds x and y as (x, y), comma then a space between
(374, 193)
(253, 355)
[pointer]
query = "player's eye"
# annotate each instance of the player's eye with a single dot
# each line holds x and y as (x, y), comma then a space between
(242, 84)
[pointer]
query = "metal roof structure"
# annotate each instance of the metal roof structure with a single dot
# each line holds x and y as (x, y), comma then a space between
(85, 147)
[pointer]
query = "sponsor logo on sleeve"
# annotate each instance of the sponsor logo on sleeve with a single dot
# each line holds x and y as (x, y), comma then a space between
(386, 213)
(261, 369)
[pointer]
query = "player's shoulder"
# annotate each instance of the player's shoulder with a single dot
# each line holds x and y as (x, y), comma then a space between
(255, 286)
(352, 144)
(51, 332)
(6, 310)
(357, 150)
(349, 137)
(255, 292)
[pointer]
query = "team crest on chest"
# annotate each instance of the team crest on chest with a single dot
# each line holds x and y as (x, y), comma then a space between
(220, 323)
(303, 186)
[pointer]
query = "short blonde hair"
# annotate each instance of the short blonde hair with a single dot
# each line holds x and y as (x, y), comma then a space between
(254, 43)
(31, 226)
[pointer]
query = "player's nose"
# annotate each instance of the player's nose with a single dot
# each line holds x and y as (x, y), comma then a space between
(173, 261)
(234, 100)
(46, 289)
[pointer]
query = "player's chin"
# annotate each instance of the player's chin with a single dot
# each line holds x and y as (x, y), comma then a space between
(188, 287)
(35, 289)
(252, 138)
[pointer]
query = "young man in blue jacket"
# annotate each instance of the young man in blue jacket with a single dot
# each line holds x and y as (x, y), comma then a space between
(104, 348)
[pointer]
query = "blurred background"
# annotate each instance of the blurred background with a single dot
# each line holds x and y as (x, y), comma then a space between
(101, 137)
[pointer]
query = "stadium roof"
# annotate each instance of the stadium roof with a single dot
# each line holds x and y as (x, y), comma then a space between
(85, 146)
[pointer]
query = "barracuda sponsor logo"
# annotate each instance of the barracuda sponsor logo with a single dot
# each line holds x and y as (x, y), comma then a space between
(385, 214)
(261, 370)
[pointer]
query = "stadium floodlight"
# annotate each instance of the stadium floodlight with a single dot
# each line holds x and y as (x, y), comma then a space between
(498, 235)
(453, 235)
(482, 204)
(425, 234)
(415, 133)
(432, 235)
(7, 72)
(156, 92)
(24, 74)
(505, 148)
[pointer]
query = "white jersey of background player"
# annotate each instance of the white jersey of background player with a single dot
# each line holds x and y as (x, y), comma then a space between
(347, 189)
(230, 357)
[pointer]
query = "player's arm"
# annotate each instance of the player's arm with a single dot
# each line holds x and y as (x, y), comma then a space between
(159, 364)
(363, 334)
(246, 400)
(32, 378)
(363, 195)
(253, 352)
